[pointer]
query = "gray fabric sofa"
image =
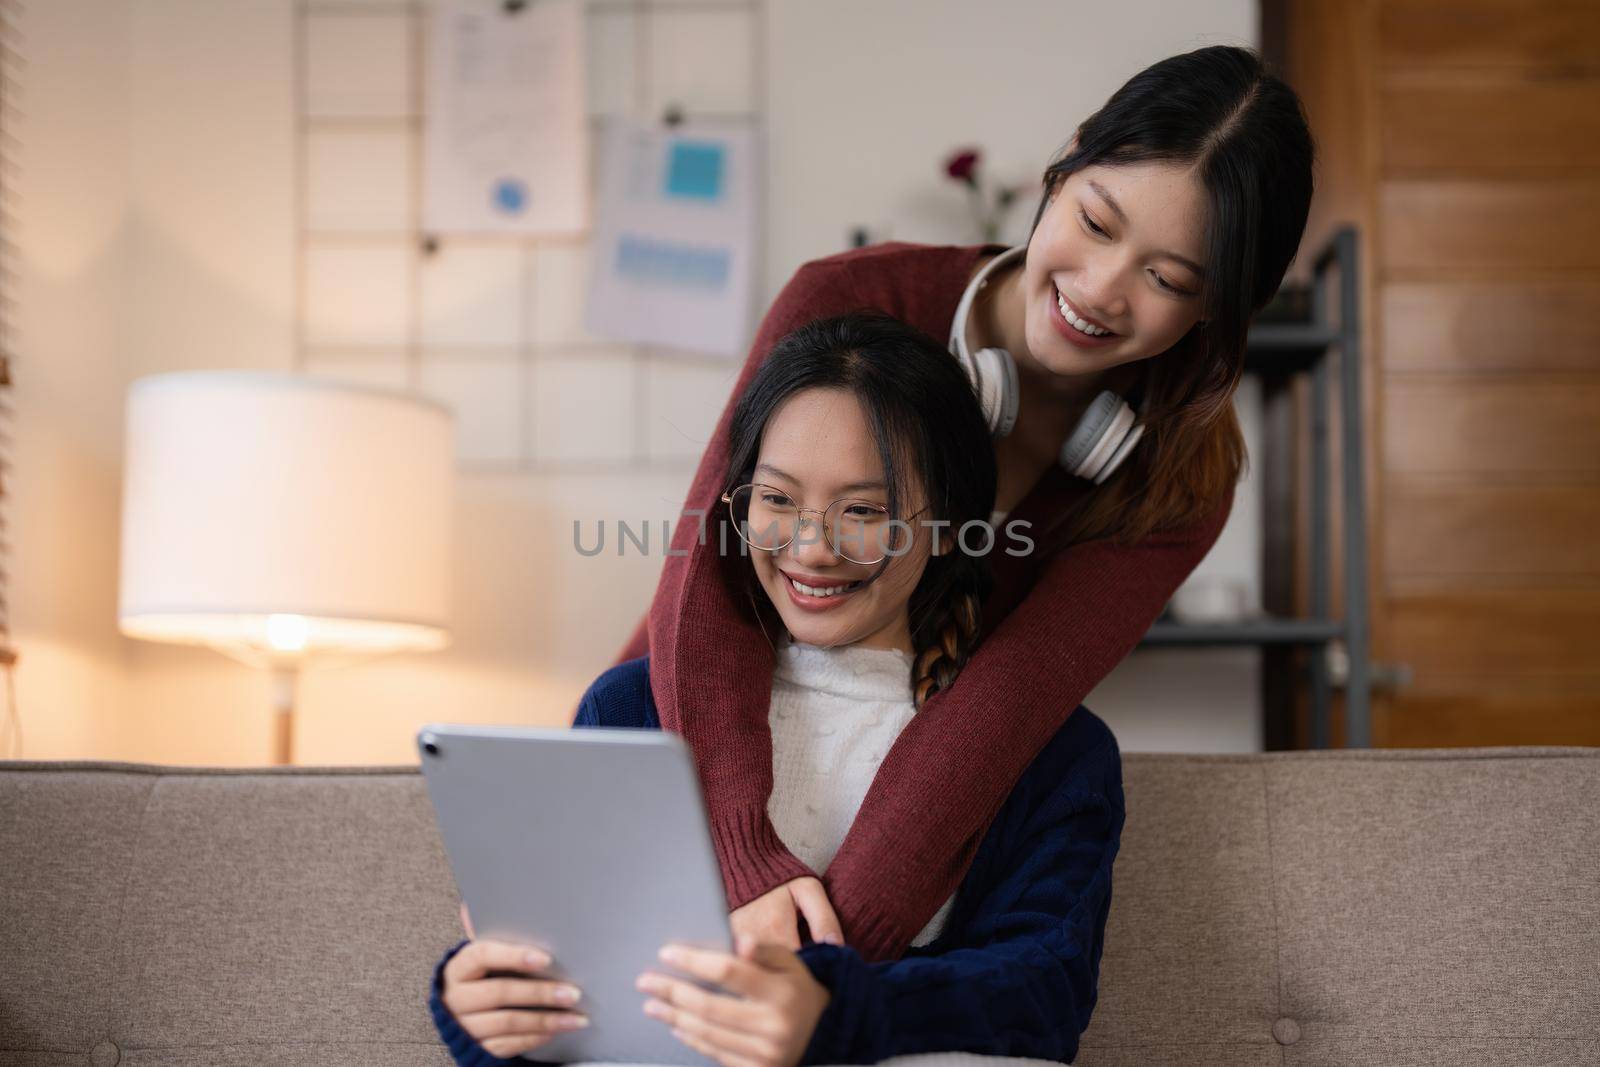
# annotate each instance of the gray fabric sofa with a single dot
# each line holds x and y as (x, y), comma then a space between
(1391, 907)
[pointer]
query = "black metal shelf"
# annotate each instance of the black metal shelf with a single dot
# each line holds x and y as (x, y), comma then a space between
(1319, 321)
(1263, 631)
(1287, 347)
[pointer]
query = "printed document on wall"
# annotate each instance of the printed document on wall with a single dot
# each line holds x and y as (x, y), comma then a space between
(674, 247)
(506, 130)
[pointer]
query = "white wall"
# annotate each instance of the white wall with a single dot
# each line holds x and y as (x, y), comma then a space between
(867, 97)
(72, 188)
(157, 234)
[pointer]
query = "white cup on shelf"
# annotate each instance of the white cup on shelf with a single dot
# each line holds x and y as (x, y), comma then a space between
(1206, 599)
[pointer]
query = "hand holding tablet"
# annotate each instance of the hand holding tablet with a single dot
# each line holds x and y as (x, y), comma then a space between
(592, 847)
(492, 1007)
(766, 1016)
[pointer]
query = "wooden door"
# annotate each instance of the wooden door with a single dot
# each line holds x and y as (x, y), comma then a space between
(1463, 139)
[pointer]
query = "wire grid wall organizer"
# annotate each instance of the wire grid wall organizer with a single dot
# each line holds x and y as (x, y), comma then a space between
(10, 90)
(492, 325)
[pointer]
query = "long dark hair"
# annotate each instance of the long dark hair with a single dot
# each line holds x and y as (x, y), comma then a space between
(928, 428)
(1222, 112)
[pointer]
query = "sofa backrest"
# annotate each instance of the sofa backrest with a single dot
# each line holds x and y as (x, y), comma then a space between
(1380, 907)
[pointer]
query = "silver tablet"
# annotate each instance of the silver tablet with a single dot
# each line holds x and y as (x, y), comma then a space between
(591, 844)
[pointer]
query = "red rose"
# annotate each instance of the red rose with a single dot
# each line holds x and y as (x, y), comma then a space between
(963, 165)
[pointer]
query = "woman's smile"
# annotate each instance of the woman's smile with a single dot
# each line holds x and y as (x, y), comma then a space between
(808, 592)
(1077, 327)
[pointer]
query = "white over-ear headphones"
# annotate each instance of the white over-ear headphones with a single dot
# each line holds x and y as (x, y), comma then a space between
(1105, 435)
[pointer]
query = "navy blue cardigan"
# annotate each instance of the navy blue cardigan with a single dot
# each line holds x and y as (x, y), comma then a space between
(1014, 971)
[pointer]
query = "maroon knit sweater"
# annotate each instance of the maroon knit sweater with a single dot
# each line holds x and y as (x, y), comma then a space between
(1055, 625)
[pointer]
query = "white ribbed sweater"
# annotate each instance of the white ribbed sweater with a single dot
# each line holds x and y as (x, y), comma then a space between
(834, 714)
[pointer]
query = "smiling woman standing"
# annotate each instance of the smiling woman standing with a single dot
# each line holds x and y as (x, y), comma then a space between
(1166, 223)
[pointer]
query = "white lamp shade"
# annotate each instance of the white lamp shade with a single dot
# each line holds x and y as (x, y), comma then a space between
(286, 513)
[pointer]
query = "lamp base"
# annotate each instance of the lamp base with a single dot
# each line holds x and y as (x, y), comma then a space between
(284, 683)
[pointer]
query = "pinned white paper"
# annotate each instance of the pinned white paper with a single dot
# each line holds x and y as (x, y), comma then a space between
(507, 138)
(673, 251)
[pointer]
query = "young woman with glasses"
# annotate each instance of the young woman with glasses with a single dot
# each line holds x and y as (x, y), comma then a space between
(859, 485)
(1166, 223)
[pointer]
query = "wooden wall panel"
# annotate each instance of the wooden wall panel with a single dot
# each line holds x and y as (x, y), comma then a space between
(1326, 50)
(1513, 633)
(1488, 33)
(1502, 325)
(1490, 124)
(1447, 424)
(1533, 532)
(1470, 130)
(1476, 716)
(1501, 226)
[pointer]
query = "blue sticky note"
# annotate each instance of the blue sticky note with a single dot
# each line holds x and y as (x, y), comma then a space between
(694, 170)
(510, 196)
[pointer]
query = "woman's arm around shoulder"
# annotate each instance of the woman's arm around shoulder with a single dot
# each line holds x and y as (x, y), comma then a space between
(1016, 972)
(1087, 609)
(698, 630)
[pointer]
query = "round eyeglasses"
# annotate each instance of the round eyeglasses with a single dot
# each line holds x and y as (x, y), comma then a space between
(861, 531)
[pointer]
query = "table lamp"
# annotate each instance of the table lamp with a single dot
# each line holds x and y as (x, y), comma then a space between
(276, 517)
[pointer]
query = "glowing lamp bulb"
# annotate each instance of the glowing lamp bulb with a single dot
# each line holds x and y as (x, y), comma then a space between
(287, 633)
